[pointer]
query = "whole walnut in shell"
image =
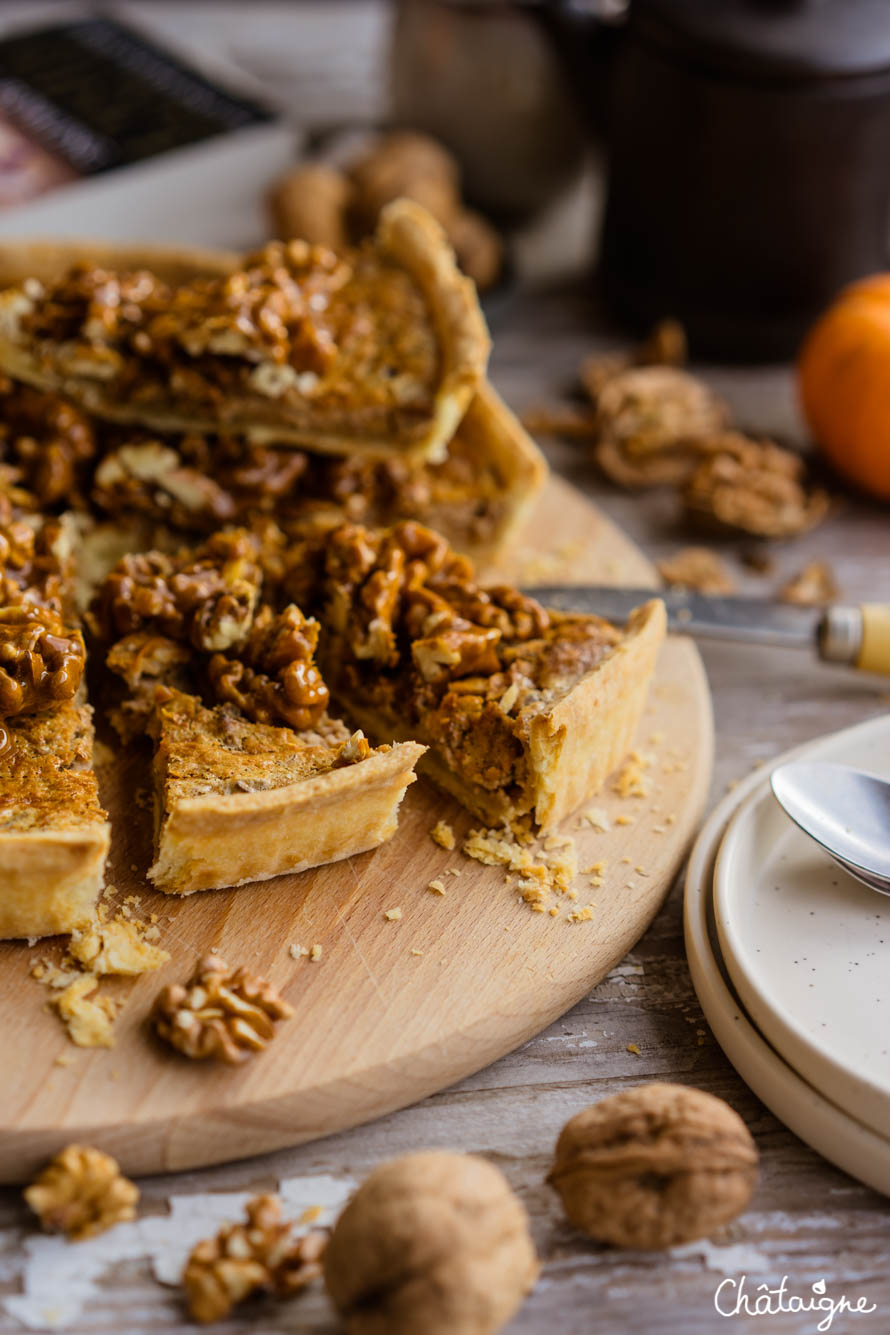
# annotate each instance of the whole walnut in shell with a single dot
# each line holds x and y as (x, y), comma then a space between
(654, 1166)
(432, 1242)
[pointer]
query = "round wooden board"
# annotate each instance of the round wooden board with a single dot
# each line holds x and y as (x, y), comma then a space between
(393, 1011)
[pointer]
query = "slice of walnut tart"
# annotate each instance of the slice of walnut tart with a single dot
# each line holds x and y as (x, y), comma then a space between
(263, 780)
(54, 834)
(525, 711)
(377, 352)
(237, 801)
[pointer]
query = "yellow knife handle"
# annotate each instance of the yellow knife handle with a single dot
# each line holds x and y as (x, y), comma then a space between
(874, 651)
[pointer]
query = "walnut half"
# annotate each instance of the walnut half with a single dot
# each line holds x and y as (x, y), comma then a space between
(654, 1166)
(82, 1192)
(220, 1012)
(432, 1242)
(41, 660)
(245, 1258)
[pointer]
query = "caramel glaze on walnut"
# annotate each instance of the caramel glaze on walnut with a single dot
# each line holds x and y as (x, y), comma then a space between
(208, 598)
(41, 660)
(47, 440)
(654, 1166)
(205, 597)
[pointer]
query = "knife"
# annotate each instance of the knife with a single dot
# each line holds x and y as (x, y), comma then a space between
(856, 636)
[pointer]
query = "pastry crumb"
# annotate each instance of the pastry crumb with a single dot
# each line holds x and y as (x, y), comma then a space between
(443, 835)
(542, 872)
(599, 818)
(315, 953)
(89, 1021)
(393, 915)
(297, 951)
(437, 887)
(117, 946)
(633, 1047)
(631, 780)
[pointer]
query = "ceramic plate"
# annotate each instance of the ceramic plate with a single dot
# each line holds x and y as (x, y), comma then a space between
(807, 946)
(822, 1124)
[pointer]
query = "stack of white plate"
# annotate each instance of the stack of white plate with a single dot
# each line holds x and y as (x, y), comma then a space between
(790, 957)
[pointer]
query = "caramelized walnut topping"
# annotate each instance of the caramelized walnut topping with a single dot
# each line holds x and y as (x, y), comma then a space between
(754, 486)
(36, 561)
(223, 1013)
(651, 423)
(245, 1258)
(82, 1192)
(271, 311)
(170, 479)
(271, 676)
(41, 660)
(47, 438)
(206, 597)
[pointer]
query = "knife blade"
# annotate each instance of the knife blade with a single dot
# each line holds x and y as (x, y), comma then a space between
(703, 615)
(856, 636)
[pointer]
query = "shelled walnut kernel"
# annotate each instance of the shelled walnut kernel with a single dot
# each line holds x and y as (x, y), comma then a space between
(654, 1166)
(82, 1192)
(244, 1258)
(221, 1012)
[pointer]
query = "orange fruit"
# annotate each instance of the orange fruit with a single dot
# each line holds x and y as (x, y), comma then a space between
(843, 372)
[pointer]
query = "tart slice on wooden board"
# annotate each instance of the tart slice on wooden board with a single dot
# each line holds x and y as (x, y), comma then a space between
(238, 796)
(54, 834)
(378, 352)
(237, 801)
(525, 712)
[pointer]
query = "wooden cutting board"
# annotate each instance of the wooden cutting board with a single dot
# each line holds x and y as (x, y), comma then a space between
(392, 1011)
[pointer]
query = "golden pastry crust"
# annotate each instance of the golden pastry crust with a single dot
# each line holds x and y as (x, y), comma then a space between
(409, 244)
(54, 835)
(239, 801)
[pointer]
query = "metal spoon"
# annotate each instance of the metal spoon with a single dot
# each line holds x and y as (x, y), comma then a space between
(846, 811)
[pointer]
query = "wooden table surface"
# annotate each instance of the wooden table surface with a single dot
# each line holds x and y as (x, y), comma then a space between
(807, 1221)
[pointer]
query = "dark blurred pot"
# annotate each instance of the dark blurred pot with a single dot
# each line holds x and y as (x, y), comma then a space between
(749, 153)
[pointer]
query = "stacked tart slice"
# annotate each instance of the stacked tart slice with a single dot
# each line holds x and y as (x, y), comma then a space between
(282, 465)
(377, 353)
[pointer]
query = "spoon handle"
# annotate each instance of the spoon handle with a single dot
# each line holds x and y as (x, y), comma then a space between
(857, 636)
